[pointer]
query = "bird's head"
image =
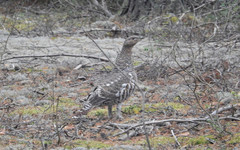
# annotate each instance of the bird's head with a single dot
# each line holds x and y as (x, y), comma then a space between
(132, 40)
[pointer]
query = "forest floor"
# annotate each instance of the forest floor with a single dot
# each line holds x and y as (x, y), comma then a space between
(44, 78)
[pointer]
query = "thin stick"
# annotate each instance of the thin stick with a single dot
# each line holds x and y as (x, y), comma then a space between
(194, 120)
(175, 138)
(56, 55)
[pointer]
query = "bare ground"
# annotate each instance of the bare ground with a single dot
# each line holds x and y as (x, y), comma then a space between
(39, 94)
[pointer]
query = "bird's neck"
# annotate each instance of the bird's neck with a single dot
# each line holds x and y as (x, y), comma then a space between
(124, 59)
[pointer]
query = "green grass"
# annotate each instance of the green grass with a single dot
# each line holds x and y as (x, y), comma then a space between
(32, 110)
(198, 140)
(165, 140)
(46, 109)
(88, 144)
(136, 109)
(235, 139)
(136, 63)
(161, 140)
(20, 25)
(98, 112)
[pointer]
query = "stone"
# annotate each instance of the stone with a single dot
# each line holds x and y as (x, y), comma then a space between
(71, 95)
(11, 67)
(42, 102)
(224, 97)
(17, 77)
(22, 100)
(125, 147)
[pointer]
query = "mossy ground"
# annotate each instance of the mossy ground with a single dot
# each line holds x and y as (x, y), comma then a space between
(38, 125)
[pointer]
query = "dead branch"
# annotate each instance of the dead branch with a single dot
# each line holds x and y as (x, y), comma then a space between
(56, 55)
(224, 108)
(87, 65)
(175, 138)
(103, 7)
(193, 120)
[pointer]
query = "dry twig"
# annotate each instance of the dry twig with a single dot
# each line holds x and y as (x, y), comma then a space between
(56, 55)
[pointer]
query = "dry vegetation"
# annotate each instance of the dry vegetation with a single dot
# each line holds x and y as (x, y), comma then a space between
(188, 68)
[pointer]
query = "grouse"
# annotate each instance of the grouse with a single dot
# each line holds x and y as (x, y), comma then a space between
(118, 85)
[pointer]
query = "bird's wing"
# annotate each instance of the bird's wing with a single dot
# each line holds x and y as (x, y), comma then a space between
(114, 89)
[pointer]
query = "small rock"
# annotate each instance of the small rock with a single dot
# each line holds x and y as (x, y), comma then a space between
(126, 137)
(15, 147)
(125, 147)
(82, 78)
(7, 92)
(71, 95)
(11, 67)
(4, 32)
(82, 148)
(58, 148)
(17, 77)
(25, 82)
(22, 100)
(62, 70)
(224, 97)
(42, 102)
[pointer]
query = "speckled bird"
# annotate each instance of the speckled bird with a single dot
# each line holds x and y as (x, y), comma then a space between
(118, 86)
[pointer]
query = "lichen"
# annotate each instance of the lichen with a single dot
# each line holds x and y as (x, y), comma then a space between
(235, 139)
(89, 144)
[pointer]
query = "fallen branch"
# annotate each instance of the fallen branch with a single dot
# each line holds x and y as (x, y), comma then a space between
(56, 55)
(224, 108)
(230, 118)
(87, 65)
(193, 120)
(175, 138)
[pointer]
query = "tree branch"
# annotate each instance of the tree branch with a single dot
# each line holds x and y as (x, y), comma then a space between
(103, 7)
(56, 55)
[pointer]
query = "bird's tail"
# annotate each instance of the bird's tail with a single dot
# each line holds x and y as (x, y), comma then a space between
(84, 110)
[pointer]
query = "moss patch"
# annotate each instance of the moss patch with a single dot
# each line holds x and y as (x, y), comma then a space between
(98, 113)
(164, 140)
(89, 144)
(235, 139)
(199, 140)
(32, 110)
(66, 102)
(46, 109)
(155, 141)
(136, 63)
(108, 68)
(20, 25)
(135, 109)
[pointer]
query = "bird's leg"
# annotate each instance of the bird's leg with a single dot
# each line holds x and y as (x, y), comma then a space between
(119, 111)
(109, 111)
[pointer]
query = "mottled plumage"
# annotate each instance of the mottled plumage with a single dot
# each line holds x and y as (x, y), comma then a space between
(119, 85)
